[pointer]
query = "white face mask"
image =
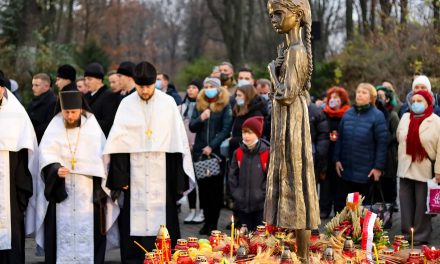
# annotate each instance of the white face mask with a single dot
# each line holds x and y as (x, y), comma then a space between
(252, 144)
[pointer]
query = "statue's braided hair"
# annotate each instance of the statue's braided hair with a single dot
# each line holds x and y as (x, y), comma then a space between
(306, 21)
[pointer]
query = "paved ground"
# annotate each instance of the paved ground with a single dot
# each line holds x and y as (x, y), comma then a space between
(192, 230)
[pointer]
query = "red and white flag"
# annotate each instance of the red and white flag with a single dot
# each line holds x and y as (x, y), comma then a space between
(353, 200)
(368, 232)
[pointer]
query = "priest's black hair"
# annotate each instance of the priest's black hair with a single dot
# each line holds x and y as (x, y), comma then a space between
(144, 73)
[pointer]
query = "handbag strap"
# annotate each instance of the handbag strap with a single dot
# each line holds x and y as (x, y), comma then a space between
(373, 191)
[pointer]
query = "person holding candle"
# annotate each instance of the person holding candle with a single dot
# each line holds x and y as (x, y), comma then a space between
(248, 173)
(418, 158)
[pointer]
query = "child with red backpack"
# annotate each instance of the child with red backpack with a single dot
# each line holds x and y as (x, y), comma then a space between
(248, 173)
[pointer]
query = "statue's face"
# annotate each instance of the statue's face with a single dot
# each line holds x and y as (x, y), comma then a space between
(282, 19)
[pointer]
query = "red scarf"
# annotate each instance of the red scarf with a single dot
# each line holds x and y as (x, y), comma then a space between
(336, 112)
(413, 144)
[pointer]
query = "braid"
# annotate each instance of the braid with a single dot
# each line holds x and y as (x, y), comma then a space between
(309, 54)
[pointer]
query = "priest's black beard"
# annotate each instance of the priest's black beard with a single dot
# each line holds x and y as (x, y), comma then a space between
(75, 124)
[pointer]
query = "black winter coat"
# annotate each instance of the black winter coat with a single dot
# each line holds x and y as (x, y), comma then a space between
(319, 132)
(257, 107)
(104, 105)
(218, 126)
(248, 183)
(172, 91)
(41, 110)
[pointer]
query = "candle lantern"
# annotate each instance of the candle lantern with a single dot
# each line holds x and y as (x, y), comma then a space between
(163, 242)
(193, 242)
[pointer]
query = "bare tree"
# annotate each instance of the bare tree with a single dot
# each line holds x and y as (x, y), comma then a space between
(232, 21)
(436, 9)
(385, 12)
(403, 11)
(349, 19)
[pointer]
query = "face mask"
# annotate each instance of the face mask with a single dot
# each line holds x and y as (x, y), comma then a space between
(242, 83)
(265, 96)
(158, 84)
(240, 102)
(224, 77)
(333, 103)
(418, 108)
(251, 144)
(211, 92)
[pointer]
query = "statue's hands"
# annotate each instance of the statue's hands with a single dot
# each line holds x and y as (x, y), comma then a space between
(280, 58)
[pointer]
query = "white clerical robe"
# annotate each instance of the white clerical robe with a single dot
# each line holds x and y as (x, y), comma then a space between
(16, 133)
(149, 130)
(75, 215)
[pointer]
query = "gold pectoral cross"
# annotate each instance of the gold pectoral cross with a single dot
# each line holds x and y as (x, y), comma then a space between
(72, 162)
(149, 132)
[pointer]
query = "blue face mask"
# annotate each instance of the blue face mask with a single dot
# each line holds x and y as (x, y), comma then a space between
(157, 85)
(265, 96)
(240, 101)
(243, 83)
(418, 108)
(211, 92)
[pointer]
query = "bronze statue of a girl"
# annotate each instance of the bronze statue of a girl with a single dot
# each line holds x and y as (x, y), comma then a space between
(291, 198)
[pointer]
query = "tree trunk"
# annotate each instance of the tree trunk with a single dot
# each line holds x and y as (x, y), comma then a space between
(403, 11)
(31, 17)
(364, 11)
(69, 25)
(385, 7)
(231, 27)
(373, 15)
(436, 9)
(86, 21)
(349, 19)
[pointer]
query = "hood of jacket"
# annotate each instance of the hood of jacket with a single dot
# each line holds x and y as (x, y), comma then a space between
(216, 106)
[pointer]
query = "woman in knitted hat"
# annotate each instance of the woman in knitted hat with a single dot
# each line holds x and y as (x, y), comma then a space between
(361, 148)
(187, 109)
(211, 121)
(418, 158)
(337, 104)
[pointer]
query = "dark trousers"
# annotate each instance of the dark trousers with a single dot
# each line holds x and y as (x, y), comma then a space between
(389, 188)
(211, 198)
(412, 209)
(347, 187)
(252, 220)
(192, 197)
(328, 190)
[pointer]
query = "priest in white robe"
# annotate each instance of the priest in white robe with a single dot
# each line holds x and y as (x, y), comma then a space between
(150, 158)
(75, 210)
(18, 167)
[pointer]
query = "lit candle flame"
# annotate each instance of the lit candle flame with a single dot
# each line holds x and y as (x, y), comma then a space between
(433, 248)
(232, 218)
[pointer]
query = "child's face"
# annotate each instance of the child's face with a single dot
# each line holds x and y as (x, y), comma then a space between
(249, 137)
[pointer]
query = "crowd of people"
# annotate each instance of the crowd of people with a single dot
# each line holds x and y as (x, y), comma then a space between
(362, 145)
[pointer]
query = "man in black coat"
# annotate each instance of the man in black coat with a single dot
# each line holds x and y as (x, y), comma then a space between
(163, 83)
(66, 76)
(103, 102)
(41, 108)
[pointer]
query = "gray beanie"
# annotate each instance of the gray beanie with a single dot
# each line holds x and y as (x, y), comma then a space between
(213, 81)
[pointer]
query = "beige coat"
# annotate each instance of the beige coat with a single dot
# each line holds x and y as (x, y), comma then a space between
(429, 137)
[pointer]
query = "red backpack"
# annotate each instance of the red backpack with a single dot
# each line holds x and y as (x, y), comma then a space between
(264, 156)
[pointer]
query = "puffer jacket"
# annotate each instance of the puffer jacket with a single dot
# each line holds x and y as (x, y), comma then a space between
(362, 143)
(217, 127)
(248, 182)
